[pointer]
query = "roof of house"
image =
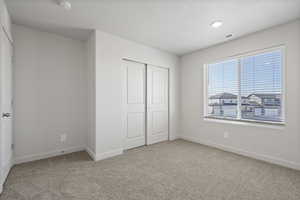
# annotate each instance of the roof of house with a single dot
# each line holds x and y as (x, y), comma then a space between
(223, 95)
(265, 95)
(222, 104)
(226, 95)
(254, 103)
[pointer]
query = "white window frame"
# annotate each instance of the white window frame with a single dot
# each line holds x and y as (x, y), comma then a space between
(238, 57)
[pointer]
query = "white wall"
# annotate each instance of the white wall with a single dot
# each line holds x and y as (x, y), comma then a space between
(50, 90)
(110, 50)
(66, 86)
(280, 145)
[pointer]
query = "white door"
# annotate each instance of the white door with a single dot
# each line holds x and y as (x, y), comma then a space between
(135, 106)
(5, 107)
(157, 104)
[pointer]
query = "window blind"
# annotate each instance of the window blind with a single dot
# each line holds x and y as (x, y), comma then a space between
(223, 88)
(247, 88)
(261, 84)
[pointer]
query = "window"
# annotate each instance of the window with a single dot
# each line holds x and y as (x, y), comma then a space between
(246, 88)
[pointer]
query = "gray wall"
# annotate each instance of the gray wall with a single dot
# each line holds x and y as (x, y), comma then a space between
(280, 145)
(50, 94)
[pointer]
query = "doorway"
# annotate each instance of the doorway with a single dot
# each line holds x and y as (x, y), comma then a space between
(6, 138)
(146, 104)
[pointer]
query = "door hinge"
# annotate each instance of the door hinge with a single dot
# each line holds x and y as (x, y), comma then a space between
(12, 146)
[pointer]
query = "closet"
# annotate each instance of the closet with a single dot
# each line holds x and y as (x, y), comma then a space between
(146, 104)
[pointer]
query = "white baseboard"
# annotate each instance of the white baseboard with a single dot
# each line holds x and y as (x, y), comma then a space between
(269, 159)
(174, 137)
(91, 153)
(108, 154)
(94, 156)
(40, 156)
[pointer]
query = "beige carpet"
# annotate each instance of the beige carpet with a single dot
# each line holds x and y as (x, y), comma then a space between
(176, 170)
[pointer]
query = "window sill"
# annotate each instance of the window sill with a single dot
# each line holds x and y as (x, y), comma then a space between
(263, 124)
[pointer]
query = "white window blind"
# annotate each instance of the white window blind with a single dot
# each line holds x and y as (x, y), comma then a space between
(246, 88)
(261, 84)
(223, 89)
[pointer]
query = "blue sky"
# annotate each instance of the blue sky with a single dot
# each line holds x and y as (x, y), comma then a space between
(259, 74)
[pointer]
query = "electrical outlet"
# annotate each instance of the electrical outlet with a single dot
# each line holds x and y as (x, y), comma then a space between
(63, 137)
(226, 134)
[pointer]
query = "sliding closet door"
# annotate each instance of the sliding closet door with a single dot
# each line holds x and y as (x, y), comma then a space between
(157, 104)
(135, 106)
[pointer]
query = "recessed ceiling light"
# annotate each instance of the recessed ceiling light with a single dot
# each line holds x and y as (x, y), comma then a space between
(65, 4)
(216, 24)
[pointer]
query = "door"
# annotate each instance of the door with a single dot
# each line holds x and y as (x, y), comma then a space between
(5, 106)
(157, 104)
(135, 104)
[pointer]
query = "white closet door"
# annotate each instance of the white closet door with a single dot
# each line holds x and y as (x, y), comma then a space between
(157, 104)
(135, 98)
(5, 107)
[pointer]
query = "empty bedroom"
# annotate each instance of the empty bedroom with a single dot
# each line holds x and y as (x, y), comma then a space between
(149, 100)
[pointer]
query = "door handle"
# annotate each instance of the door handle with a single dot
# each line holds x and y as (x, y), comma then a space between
(6, 115)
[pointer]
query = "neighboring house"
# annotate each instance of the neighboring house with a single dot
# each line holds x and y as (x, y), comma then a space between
(265, 106)
(223, 104)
